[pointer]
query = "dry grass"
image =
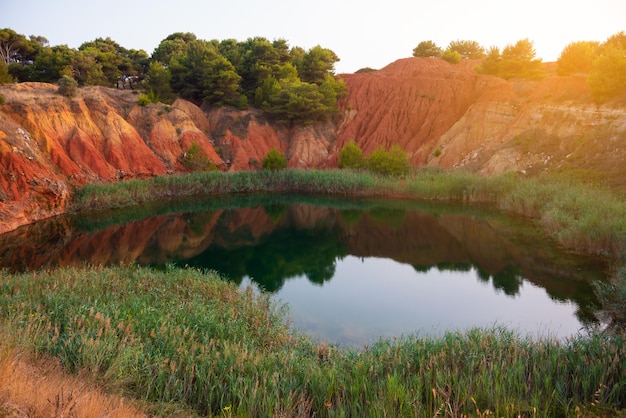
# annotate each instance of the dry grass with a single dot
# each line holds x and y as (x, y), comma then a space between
(45, 390)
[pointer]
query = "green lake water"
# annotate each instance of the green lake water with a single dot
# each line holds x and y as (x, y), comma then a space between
(351, 271)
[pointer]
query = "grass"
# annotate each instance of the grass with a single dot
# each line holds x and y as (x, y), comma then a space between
(566, 207)
(41, 388)
(187, 342)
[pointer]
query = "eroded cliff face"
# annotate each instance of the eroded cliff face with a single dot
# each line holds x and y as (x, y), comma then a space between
(441, 114)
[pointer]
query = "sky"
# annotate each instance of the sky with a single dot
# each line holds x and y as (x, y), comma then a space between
(363, 33)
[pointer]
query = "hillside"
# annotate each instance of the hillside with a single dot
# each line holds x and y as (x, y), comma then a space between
(441, 114)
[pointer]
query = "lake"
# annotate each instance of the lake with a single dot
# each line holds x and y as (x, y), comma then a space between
(351, 270)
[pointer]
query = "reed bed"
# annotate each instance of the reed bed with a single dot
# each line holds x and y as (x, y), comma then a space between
(185, 339)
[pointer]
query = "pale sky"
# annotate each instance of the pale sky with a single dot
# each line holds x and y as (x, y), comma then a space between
(363, 33)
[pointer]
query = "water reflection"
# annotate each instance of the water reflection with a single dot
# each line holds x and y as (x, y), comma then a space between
(273, 240)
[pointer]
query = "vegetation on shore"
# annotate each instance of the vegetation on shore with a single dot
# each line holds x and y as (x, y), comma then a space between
(188, 342)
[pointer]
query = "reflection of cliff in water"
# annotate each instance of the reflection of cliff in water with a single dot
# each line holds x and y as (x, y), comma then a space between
(276, 242)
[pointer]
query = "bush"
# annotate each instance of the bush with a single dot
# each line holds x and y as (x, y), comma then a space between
(144, 100)
(274, 160)
(67, 86)
(3, 99)
(351, 156)
(394, 162)
(453, 57)
(196, 160)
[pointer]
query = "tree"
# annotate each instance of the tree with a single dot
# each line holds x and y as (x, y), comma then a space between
(617, 41)
(427, 49)
(351, 156)
(120, 66)
(87, 70)
(577, 57)
(467, 49)
(274, 160)
(452, 56)
(175, 45)
(518, 61)
(317, 63)
(5, 77)
(491, 64)
(607, 78)
(202, 74)
(158, 84)
(11, 43)
(52, 63)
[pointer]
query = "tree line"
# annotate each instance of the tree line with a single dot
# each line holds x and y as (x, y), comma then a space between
(604, 64)
(291, 84)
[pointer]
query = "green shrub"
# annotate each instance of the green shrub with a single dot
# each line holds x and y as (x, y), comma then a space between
(196, 160)
(144, 100)
(437, 152)
(3, 99)
(67, 86)
(394, 162)
(453, 57)
(351, 156)
(274, 160)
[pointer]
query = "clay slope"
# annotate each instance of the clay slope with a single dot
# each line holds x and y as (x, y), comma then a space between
(50, 144)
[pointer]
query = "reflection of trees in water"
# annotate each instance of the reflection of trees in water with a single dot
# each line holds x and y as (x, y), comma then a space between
(275, 211)
(507, 280)
(510, 279)
(283, 254)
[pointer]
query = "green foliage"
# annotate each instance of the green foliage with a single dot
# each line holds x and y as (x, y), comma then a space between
(317, 64)
(451, 56)
(181, 336)
(67, 86)
(577, 58)
(293, 85)
(516, 61)
(120, 66)
(351, 156)
(195, 159)
(394, 162)
(144, 99)
(174, 46)
(274, 160)
(157, 82)
(427, 49)
(365, 70)
(467, 49)
(5, 77)
(17, 48)
(607, 78)
(53, 63)
(202, 75)
(3, 99)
